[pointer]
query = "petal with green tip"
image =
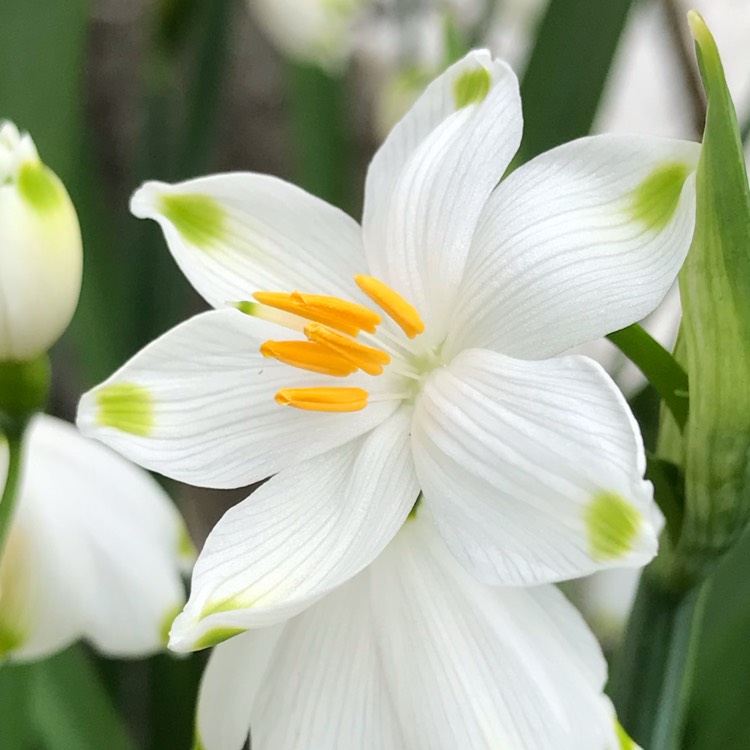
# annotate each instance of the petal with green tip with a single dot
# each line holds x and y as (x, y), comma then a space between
(575, 244)
(127, 407)
(508, 454)
(612, 525)
(239, 233)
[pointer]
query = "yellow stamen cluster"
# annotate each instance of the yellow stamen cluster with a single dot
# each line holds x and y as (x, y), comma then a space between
(365, 358)
(330, 348)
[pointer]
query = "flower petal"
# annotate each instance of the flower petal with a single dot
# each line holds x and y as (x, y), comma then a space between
(427, 184)
(230, 683)
(304, 532)
(581, 241)
(235, 234)
(198, 405)
(474, 667)
(105, 547)
(325, 687)
(533, 470)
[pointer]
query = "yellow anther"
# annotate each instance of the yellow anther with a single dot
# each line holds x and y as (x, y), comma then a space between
(366, 358)
(323, 399)
(392, 303)
(340, 314)
(308, 356)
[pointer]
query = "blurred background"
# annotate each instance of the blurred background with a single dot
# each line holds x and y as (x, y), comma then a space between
(118, 91)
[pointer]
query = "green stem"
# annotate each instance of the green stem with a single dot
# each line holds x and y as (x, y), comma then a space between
(653, 670)
(658, 365)
(12, 484)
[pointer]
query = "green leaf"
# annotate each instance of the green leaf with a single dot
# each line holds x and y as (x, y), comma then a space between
(721, 692)
(715, 289)
(659, 367)
(16, 725)
(174, 692)
(70, 706)
(316, 104)
(568, 68)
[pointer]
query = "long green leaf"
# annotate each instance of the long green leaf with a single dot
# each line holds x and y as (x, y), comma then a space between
(70, 706)
(17, 730)
(715, 289)
(317, 109)
(568, 68)
(721, 693)
(42, 55)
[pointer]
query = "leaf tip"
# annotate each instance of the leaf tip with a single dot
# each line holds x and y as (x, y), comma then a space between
(698, 28)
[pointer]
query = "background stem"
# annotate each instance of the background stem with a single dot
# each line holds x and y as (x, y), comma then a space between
(653, 669)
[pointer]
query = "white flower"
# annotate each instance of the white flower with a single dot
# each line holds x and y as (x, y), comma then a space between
(40, 251)
(531, 464)
(94, 551)
(413, 653)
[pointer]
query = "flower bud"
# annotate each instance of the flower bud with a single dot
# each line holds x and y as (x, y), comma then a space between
(40, 251)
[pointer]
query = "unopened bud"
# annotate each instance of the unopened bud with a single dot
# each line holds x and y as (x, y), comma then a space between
(40, 251)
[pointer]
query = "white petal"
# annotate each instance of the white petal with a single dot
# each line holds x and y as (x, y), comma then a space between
(533, 470)
(325, 687)
(428, 183)
(304, 532)
(474, 667)
(581, 241)
(198, 405)
(234, 674)
(235, 234)
(38, 607)
(663, 324)
(106, 547)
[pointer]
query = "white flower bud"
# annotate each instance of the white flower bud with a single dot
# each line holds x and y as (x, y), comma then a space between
(40, 251)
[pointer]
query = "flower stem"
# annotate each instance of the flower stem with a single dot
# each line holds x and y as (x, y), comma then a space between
(12, 484)
(653, 670)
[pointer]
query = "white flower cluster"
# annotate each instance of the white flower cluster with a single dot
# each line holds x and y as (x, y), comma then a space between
(95, 548)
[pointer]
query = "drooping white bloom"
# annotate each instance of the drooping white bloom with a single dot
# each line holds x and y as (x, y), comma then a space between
(315, 31)
(382, 34)
(413, 653)
(605, 600)
(40, 251)
(531, 463)
(95, 550)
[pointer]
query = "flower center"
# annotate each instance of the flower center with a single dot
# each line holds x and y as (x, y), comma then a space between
(332, 327)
